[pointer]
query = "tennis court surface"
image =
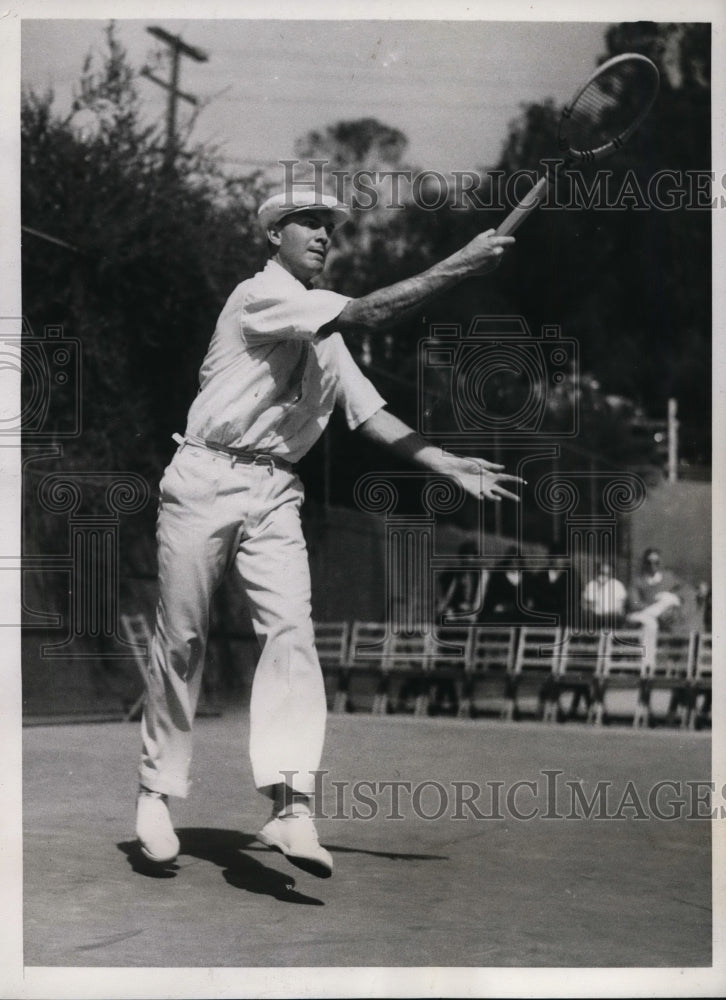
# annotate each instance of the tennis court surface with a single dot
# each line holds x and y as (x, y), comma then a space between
(475, 885)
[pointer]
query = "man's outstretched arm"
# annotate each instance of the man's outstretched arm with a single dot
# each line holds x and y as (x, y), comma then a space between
(385, 306)
(477, 477)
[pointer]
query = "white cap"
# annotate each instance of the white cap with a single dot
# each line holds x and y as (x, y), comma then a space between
(300, 199)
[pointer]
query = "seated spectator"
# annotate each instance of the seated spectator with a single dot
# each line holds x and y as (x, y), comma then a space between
(703, 602)
(654, 595)
(505, 599)
(461, 590)
(548, 592)
(654, 601)
(604, 600)
(459, 599)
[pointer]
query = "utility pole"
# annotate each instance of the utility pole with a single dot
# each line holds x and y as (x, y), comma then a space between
(178, 49)
(672, 440)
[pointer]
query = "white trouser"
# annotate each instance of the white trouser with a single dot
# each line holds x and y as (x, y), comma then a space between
(213, 514)
(663, 602)
(649, 619)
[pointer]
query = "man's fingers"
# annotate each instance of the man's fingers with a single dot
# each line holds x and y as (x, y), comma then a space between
(486, 466)
(512, 479)
(501, 492)
(504, 476)
(498, 240)
(506, 493)
(490, 481)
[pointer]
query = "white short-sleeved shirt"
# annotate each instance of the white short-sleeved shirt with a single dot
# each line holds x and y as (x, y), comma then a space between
(268, 383)
(607, 597)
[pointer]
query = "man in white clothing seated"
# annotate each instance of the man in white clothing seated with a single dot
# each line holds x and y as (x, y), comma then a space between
(604, 599)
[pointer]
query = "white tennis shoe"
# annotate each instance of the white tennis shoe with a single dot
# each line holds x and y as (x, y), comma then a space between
(293, 833)
(154, 828)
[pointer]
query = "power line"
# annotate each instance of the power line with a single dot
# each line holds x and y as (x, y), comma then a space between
(50, 239)
(377, 101)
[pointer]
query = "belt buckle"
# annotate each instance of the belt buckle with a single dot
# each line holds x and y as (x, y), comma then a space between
(267, 460)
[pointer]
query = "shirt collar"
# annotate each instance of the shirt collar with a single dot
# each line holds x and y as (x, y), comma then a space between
(279, 273)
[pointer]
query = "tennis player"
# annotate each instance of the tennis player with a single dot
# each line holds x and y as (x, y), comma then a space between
(276, 366)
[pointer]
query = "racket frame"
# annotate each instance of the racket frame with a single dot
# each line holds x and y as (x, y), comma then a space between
(619, 140)
(536, 195)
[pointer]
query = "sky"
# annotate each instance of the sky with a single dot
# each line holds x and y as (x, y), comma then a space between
(451, 86)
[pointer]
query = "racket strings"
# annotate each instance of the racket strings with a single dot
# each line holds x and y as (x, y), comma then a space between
(609, 108)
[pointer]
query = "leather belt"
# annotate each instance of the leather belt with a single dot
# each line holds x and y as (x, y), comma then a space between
(236, 455)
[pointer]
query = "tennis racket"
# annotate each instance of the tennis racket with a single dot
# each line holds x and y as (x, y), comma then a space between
(600, 119)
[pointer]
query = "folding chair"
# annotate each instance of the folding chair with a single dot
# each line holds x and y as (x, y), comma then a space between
(489, 667)
(407, 664)
(623, 669)
(580, 658)
(363, 681)
(447, 668)
(671, 673)
(331, 642)
(701, 683)
(535, 670)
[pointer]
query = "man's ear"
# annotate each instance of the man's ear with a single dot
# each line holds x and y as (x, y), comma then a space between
(273, 236)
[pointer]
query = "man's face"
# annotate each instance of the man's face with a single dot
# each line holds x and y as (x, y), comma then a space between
(302, 242)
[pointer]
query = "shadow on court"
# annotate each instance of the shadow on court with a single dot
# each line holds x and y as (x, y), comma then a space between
(224, 849)
(410, 887)
(227, 849)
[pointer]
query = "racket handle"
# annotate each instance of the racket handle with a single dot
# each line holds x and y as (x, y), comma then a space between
(520, 212)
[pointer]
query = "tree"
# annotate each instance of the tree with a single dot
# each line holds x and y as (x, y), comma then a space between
(619, 282)
(357, 143)
(375, 247)
(638, 278)
(155, 256)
